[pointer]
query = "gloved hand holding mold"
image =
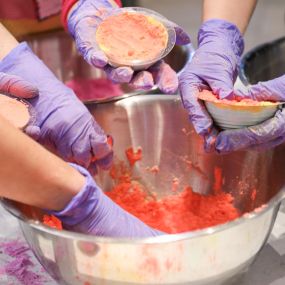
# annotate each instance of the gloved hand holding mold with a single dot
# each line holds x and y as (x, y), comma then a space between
(67, 191)
(129, 44)
(262, 136)
(211, 76)
(62, 123)
(213, 67)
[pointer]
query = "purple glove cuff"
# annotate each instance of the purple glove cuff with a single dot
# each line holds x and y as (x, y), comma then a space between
(8, 61)
(218, 29)
(73, 214)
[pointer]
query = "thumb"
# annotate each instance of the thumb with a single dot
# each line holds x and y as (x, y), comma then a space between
(272, 90)
(86, 44)
(182, 38)
(16, 86)
(33, 132)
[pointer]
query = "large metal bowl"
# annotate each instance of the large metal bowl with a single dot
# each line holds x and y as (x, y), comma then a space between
(58, 52)
(216, 255)
(265, 62)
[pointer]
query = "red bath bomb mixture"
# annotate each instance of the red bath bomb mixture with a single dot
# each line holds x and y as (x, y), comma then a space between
(176, 213)
(52, 222)
(131, 37)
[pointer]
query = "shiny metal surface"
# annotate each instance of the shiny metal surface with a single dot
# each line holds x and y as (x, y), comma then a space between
(58, 52)
(216, 255)
(263, 63)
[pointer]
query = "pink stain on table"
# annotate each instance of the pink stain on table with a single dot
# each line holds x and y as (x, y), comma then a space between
(20, 265)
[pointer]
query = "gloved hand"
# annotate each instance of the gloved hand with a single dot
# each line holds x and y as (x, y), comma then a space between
(82, 24)
(91, 211)
(213, 67)
(16, 86)
(266, 135)
(63, 124)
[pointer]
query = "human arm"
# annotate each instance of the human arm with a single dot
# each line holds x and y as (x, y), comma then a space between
(63, 124)
(30, 174)
(215, 63)
(82, 20)
(237, 12)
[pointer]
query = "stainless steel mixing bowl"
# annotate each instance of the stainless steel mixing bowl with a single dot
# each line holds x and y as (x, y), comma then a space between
(216, 255)
(263, 63)
(58, 52)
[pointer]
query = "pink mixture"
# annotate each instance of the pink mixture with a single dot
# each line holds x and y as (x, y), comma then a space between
(132, 37)
(94, 89)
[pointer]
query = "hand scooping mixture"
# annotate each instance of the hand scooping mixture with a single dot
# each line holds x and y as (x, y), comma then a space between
(176, 213)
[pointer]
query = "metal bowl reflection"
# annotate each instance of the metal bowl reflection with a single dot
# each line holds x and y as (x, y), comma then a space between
(265, 62)
(216, 255)
(58, 52)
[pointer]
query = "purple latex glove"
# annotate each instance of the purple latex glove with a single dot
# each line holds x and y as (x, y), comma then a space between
(263, 136)
(91, 211)
(16, 86)
(63, 124)
(82, 24)
(213, 67)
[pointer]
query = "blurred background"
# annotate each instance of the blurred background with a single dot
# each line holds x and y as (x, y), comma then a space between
(267, 22)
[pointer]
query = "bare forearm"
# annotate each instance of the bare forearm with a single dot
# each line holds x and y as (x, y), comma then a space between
(31, 175)
(8, 42)
(237, 12)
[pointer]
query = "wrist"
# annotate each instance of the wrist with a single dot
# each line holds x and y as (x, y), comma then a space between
(67, 183)
(83, 203)
(221, 30)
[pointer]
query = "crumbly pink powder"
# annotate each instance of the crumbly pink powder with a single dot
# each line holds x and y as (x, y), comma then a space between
(20, 265)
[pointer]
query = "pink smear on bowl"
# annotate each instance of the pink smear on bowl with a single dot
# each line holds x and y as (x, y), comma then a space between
(94, 89)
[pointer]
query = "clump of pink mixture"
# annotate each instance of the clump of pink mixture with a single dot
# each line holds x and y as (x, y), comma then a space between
(207, 95)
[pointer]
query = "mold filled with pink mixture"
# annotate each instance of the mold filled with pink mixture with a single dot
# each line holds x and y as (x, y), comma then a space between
(207, 95)
(132, 37)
